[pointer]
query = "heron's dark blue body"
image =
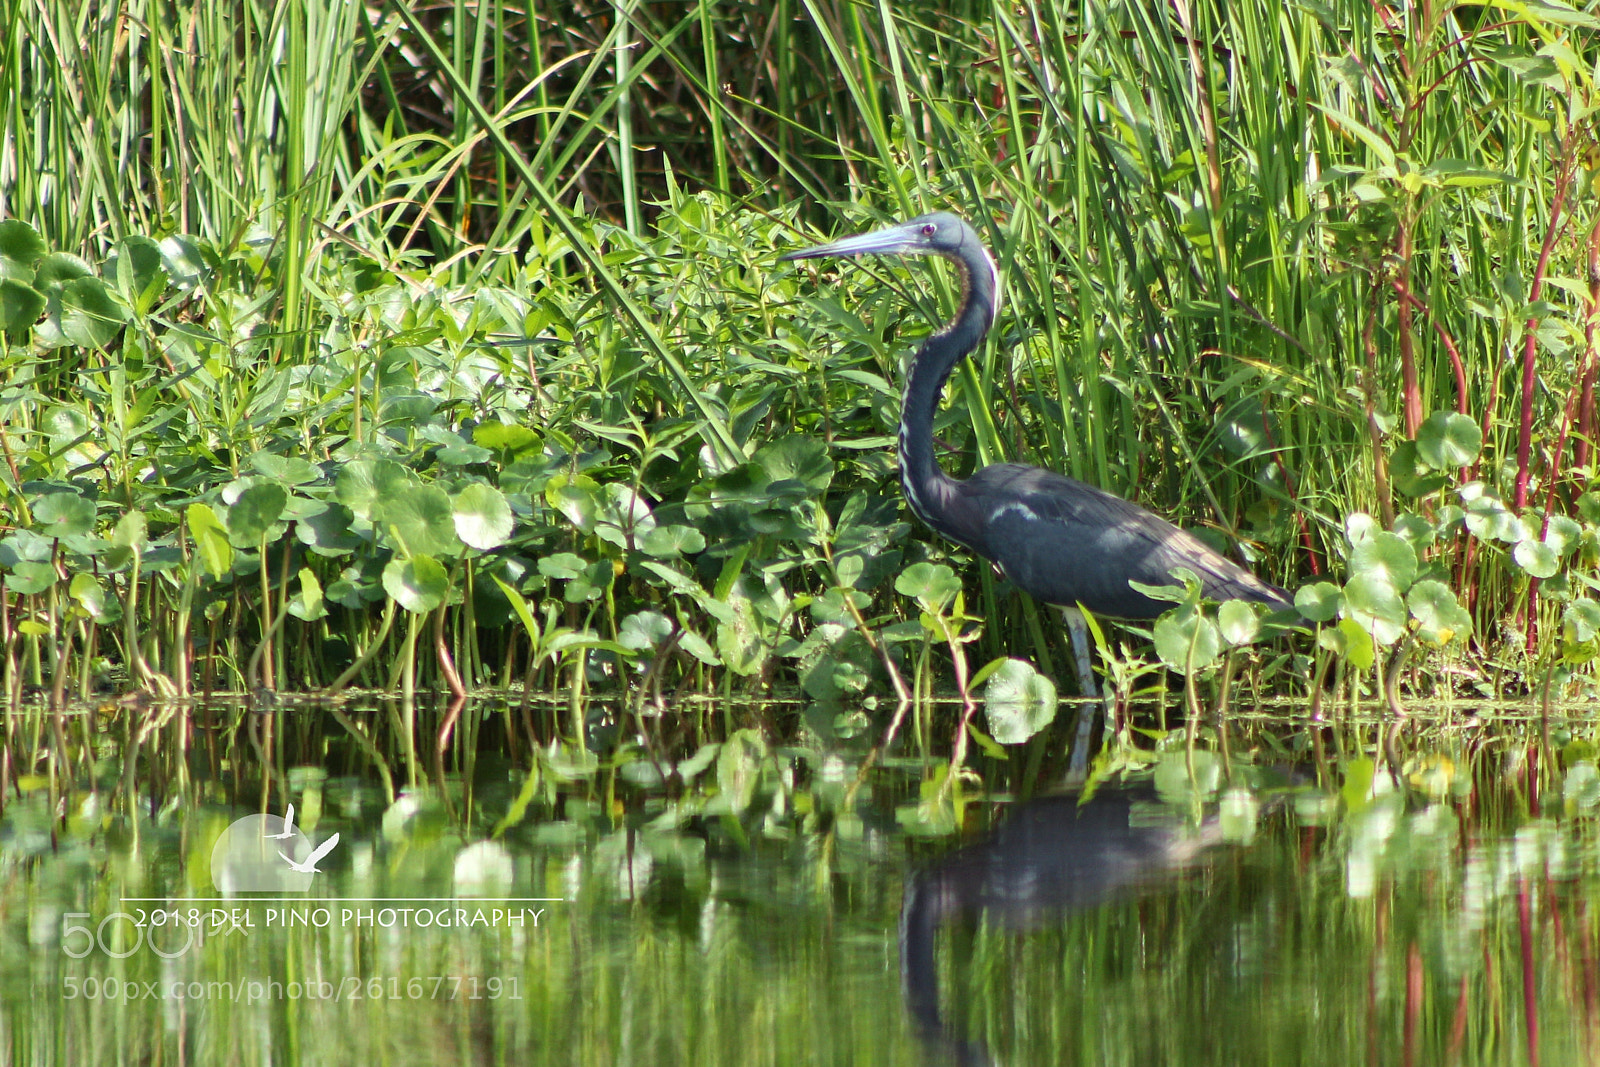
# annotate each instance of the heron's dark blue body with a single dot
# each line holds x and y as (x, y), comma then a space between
(1063, 542)
(1060, 540)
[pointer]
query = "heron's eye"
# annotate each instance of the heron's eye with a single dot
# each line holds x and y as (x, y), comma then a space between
(928, 229)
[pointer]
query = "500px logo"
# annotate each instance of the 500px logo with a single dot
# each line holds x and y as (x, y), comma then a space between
(121, 934)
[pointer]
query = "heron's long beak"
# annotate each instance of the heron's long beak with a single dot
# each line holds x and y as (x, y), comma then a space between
(889, 240)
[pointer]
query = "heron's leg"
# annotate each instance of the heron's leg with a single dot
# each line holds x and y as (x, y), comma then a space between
(1078, 768)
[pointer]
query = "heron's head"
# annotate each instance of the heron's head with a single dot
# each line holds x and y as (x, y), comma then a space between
(938, 234)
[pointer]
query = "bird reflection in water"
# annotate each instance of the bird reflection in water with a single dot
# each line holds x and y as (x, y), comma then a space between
(1052, 857)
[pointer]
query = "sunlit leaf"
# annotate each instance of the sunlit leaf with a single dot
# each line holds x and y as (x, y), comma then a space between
(1438, 613)
(1238, 622)
(933, 585)
(483, 519)
(1319, 601)
(1018, 702)
(422, 519)
(210, 540)
(1187, 639)
(418, 584)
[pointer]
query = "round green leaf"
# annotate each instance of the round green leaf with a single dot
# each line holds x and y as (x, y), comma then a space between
(210, 540)
(1374, 604)
(132, 531)
(418, 584)
(136, 267)
(1018, 702)
(1238, 622)
(797, 458)
(1439, 614)
(63, 514)
(20, 305)
(1186, 639)
(1492, 521)
(422, 519)
(933, 585)
(327, 532)
(252, 516)
(1536, 558)
(1448, 439)
(1563, 534)
(21, 248)
(665, 541)
(89, 315)
(644, 629)
(364, 483)
(483, 518)
(1580, 623)
(31, 576)
(1385, 557)
(86, 589)
(1319, 601)
(290, 470)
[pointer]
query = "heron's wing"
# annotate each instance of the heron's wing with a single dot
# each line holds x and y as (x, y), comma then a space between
(287, 860)
(322, 850)
(288, 818)
(1067, 542)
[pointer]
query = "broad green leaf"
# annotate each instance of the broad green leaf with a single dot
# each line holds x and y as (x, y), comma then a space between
(1373, 602)
(1186, 639)
(253, 515)
(664, 542)
(422, 519)
(307, 604)
(1384, 557)
(1448, 439)
(1319, 601)
(89, 315)
(1536, 558)
(1580, 622)
(63, 514)
(31, 576)
(21, 248)
(797, 458)
(933, 585)
(132, 531)
(1440, 617)
(290, 470)
(483, 518)
(210, 540)
(1018, 702)
(86, 589)
(364, 484)
(1238, 622)
(418, 584)
(20, 306)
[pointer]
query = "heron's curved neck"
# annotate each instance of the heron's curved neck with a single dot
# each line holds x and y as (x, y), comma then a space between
(929, 490)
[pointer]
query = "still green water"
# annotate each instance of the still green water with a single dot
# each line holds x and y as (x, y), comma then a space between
(1314, 925)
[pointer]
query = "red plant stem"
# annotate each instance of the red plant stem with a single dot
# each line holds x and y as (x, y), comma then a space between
(1530, 341)
(1529, 986)
(1458, 1026)
(1457, 368)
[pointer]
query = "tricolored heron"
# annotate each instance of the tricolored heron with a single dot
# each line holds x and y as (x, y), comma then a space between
(1062, 541)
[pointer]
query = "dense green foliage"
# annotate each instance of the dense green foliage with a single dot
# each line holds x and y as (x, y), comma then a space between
(318, 318)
